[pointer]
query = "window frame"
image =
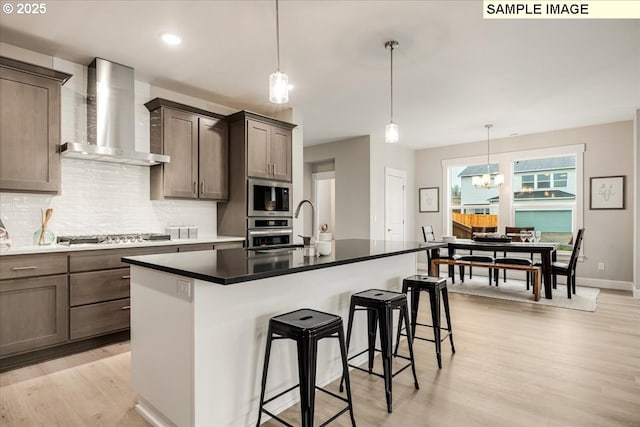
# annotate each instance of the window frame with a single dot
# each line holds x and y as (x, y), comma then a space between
(507, 205)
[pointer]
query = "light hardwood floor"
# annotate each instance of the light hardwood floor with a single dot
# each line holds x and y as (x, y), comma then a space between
(516, 365)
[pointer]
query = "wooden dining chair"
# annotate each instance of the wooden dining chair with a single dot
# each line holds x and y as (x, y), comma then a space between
(569, 269)
(514, 233)
(429, 236)
(480, 258)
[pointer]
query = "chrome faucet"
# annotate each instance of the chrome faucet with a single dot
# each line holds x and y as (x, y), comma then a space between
(309, 247)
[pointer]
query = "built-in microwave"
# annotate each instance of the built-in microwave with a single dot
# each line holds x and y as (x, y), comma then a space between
(268, 198)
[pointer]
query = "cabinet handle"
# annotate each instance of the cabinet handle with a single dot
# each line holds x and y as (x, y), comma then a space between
(195, 187)
(201, 187)
(126, 277)
(126, 307)
(31, 267)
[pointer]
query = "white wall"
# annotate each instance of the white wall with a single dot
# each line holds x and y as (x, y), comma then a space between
(609, 151)
(353, 186)
(394, 156)
(98, 197)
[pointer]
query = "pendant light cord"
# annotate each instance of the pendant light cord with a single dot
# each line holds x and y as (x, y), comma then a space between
(277, 38)
(392, 82)
(489, 126)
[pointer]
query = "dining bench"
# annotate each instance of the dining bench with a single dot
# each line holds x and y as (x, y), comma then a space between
(529, 268)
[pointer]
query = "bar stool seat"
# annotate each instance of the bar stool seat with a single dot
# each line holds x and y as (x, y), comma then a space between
(379, 305)
(436, 287)
(306, 327)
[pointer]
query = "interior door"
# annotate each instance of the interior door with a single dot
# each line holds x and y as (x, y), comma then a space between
(395, 204)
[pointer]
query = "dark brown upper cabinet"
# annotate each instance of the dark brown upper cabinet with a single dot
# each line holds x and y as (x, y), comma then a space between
(267, 143)
(197, 142)
(30, 127)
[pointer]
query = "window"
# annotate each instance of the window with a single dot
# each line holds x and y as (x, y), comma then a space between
(543, 189)
(559, 179)
(528, 182)
(543, 180)
(472, 206)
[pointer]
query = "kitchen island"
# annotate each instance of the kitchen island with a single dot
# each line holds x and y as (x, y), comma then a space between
(199, 323)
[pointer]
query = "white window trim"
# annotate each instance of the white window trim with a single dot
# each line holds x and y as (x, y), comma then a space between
(505, 160)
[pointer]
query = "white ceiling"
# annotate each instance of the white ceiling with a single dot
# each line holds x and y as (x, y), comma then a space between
(454, 71)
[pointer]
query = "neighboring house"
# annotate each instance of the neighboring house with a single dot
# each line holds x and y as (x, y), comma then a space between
(544, 193)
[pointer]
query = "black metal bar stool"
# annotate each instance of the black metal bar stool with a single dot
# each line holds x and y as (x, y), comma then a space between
(306, 327)
(379, 305)
(435, 286)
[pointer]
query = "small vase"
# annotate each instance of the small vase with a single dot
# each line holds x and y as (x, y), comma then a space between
(43, 237)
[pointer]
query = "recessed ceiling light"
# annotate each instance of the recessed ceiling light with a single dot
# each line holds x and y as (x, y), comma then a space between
(171, 39)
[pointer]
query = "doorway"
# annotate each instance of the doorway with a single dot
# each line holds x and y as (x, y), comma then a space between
(323, 198)
(395, 202)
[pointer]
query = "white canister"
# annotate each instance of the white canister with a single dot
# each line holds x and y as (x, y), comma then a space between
(323, 247)
(174, 232)
(324, 237)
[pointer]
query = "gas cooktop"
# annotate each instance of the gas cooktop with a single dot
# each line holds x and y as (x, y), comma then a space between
(112, 238)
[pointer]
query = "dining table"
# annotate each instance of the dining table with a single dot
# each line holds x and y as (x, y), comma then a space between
(547, 251)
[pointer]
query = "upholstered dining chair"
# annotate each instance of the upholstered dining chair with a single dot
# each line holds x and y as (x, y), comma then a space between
(568, 269)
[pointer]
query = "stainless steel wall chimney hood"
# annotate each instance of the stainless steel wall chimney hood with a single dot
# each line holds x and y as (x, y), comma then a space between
(110, 118)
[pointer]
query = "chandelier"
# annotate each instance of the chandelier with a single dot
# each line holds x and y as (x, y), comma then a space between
(484, 180)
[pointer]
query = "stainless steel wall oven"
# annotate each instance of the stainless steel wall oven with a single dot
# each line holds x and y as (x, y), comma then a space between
(269, 231)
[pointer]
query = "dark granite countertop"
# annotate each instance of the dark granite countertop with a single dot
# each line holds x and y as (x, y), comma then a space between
(229, 266)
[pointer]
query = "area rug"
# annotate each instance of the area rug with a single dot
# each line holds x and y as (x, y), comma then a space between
(585, 298)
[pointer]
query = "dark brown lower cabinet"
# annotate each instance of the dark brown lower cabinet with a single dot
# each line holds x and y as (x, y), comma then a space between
(33, 313)
(95, 319)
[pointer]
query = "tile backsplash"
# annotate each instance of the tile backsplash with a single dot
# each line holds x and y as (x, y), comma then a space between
(98, 197)
(102, 198)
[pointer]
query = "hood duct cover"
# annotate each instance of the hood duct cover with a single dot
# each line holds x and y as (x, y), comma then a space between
(110, 118)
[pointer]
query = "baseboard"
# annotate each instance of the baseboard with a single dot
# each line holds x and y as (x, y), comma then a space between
(604, 284)
(581, 281)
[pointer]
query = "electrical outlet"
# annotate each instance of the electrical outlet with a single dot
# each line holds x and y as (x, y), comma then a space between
(601, 266)
(183, 289)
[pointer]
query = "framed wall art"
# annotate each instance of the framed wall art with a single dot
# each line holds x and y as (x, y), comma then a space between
(607, 192)
(428, 199)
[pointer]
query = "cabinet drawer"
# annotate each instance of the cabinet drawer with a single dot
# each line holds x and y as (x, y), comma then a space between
(101, 318)
(196, 247)
(16, 266)
(110, 258)
(227, 245)
(98, 286)
(33, 313)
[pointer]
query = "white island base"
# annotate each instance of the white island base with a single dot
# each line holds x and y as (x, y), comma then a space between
(197, 347)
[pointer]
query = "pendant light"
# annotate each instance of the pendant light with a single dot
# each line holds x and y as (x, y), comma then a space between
(391, 129)
(484, 181)
(278, 82)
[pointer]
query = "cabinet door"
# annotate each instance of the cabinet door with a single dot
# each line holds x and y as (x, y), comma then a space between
(280, 154)
(181, 143)
(30, 132)
(33, 313)
(258, 141)
(213, 159)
